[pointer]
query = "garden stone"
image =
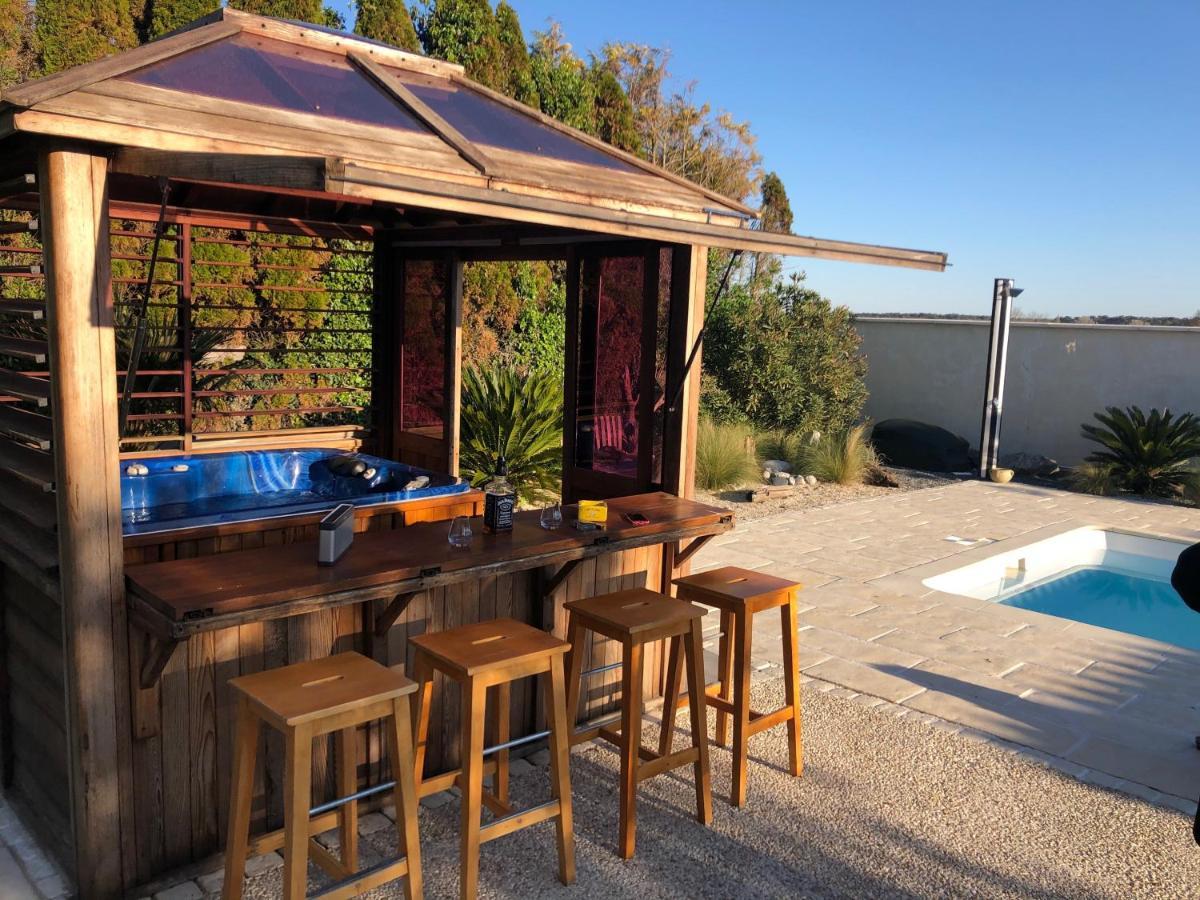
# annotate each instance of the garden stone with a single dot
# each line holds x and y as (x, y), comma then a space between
(810, 480)
(1030, 464)
(780, 478)
(777, 465)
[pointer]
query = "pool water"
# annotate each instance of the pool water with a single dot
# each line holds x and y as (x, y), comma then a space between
(1132, 602)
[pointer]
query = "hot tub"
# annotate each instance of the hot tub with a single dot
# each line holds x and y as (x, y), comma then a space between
(191, 490)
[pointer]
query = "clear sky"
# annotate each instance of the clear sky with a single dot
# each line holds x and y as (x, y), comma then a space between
(1054, 142)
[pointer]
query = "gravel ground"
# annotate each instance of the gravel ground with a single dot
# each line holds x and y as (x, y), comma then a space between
(888, 807)
(821, 494)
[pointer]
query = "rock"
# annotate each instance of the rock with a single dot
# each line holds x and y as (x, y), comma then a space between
(810, 480)
(1030, 464)
(919, 445)
(777, 465)
(880, 478)
(766, 475)
(189, 890)
(778, 478)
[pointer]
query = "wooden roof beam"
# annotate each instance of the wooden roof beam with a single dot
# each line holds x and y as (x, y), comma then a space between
(438, 125)
(297, 172)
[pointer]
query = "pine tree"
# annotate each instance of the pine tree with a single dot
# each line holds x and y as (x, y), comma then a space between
(164, 16)
(298, 10)
(72, 32)
(514, 56)
(387, 21)
(776, 212)
(16, 41)
(463, 32)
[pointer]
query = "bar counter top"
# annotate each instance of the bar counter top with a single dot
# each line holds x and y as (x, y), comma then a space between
(173, 600)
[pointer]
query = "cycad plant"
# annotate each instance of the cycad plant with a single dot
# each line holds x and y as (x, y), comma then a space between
(519, 417)
(1147, 454)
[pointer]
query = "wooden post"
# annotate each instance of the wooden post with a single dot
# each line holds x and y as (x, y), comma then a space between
(689, 279)
(74, 216)
(454, 302)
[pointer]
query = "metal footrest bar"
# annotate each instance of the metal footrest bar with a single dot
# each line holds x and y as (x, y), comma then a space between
(599, 669)
(357, 795)
(516, 742)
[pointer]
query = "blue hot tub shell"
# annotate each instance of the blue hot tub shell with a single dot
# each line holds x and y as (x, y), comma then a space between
(241, 486)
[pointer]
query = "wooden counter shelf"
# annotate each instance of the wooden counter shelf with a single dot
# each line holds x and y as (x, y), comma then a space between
(171, 601)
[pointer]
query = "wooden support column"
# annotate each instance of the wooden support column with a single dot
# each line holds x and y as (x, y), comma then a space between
(454, 311)
(74, 215)
(689, 279)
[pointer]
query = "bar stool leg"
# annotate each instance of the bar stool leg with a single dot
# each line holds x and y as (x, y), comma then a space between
(297, 798)
(560, 744)
(503, 706)
(404, 794)
(671, 697)
(699, 710)
(471, 784)
(741, 719)
(791, 676)
(574, 670)
(241, 795)
(347, 751)
(725, 674)
(422, 699)
(631, 741)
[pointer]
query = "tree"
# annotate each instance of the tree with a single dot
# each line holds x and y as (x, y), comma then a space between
(677, 133)
(774, 214)
(16, 41)
(613, 113)
(299, 10)
(387, 21)
(514, 56)
(163, 16)
(783, 358)
(72, 32)
(463, 32)
(564, 89)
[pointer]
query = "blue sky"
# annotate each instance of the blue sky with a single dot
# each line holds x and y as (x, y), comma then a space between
(1054, 142)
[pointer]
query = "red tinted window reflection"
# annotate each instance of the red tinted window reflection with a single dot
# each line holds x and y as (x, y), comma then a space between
(610, 358)
(423, 363)
(270, 73)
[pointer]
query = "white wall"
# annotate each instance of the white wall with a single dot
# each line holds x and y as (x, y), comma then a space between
(1058, 375)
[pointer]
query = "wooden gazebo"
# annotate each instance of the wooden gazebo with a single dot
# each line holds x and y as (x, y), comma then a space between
(115, 728)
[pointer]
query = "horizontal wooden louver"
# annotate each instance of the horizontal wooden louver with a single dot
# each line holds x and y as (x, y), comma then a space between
(26, 309)
(25, 387)
(22, 348)
(32, 464)
(29, 427)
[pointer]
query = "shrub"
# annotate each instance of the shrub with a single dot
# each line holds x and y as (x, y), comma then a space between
(723, 456)
(782, 357)
(1148, 454)
(844, 456)
(519, 417)
(778, 444)
(1094, 478)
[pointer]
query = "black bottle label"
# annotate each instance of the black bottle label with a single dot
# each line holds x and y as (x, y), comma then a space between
(498, 512)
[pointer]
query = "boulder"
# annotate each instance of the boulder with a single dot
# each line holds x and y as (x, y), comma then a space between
(1029, 464)
(777, 465)
(779, 478)
(810, 480)
(919, 445)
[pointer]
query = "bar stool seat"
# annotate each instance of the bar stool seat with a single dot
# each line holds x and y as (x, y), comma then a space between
(635, 618)
(739, 594)
(486, 655)
(303, 702)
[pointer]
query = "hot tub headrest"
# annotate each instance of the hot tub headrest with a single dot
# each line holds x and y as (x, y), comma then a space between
(347, 466)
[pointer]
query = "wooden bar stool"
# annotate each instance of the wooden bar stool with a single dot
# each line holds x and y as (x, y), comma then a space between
(635, 618)
(480, 656)
(739, 594)
(306, 701)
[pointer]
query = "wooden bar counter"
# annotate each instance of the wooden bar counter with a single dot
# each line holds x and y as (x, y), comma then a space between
(195, 623)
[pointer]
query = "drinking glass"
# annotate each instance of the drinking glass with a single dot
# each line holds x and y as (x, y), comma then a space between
(552, 517)
(460, 532)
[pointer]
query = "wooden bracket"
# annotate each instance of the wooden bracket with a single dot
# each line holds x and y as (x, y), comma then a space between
(158, 654)
(394, 610)
(689, 551)
(559, 577)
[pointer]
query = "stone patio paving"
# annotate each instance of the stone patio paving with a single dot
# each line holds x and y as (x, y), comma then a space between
(1106, 706)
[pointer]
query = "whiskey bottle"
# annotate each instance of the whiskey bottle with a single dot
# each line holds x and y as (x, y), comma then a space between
(499, 501)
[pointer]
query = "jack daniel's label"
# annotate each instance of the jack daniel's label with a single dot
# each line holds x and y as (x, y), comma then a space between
(498, 511)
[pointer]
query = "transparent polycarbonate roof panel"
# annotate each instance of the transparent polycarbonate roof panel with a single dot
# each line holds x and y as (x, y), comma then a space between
(485, 121)
(280, 75)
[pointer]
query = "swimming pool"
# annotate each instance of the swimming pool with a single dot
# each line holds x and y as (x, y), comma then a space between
(1112, 579)
(188, 490)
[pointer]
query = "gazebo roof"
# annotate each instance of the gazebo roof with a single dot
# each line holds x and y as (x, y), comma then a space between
(351, 117)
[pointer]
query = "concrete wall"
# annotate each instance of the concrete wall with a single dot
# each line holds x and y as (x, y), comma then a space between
(1058, 375)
